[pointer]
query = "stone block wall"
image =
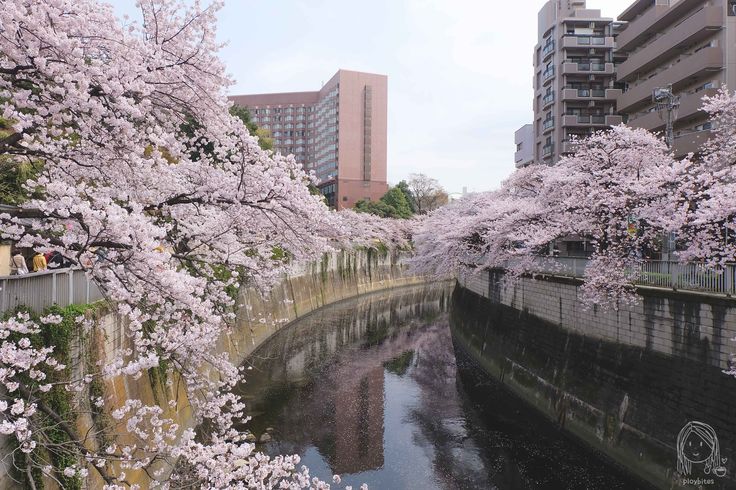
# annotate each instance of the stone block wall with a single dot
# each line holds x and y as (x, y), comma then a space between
(696, 326)
(625, 382)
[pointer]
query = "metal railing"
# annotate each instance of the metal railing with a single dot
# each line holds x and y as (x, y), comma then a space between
(690, 276)
(591, 40)
(548, 48)
(40, 290)
(590, 118)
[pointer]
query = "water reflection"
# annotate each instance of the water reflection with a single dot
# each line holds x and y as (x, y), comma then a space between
(371, 389)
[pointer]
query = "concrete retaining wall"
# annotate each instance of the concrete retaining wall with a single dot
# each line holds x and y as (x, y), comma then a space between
(686, 324)
(624, 382)
(336, 277)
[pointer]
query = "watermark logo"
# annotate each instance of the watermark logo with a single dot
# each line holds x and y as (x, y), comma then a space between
(697, 445)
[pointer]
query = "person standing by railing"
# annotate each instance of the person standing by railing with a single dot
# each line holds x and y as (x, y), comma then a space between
(39, 262)
(18, 264)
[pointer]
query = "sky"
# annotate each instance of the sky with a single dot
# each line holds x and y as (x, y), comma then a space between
(459, 71)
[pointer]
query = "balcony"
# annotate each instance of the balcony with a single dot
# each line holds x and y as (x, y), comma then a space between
(585, 68)
(698, 27)
(548, 74)
(655, 19)
(548, 124)
(548, 49)
(568, 147)
(700, 63)
(690, 105)
(548, 99)
(570, 41)
(585, 94)
(613, 120)
(547, 150)
(690, 142)
(572, 120)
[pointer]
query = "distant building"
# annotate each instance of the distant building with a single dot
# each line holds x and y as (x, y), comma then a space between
(574, 93)
(524, 140)
(591, 72)
(682, 43)
(339, 132)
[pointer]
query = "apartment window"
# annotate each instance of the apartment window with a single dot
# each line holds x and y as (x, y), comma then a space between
(705, 86)
(519, 146)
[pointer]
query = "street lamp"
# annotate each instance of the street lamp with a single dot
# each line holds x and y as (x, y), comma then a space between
(665, 100)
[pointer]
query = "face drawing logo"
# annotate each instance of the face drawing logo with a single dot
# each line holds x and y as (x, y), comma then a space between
(697, 443)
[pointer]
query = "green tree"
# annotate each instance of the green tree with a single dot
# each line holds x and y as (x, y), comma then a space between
(404, 187)
(264, 135)
(395, 198)
(393, 204)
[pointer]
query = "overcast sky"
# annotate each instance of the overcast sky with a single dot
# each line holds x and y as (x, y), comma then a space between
(452, 110)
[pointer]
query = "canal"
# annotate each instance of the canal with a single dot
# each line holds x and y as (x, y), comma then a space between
(374, 389)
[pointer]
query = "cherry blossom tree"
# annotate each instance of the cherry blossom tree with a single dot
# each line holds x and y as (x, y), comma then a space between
(616, 191)
(707, 189)
(148, 184)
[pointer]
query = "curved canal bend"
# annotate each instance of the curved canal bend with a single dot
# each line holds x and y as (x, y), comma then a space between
(374, 390)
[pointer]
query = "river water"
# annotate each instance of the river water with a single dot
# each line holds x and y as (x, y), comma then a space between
(373, 389)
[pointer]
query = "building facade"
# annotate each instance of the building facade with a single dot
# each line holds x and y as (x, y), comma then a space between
(682, 44)
(591, 72)
(524, 140)
(574, 92)
(339, 132)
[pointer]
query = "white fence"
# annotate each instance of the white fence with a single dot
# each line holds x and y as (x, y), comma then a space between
(39, 290)
(662, 273)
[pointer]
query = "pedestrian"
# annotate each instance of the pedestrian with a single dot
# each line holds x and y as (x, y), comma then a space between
(57, 261)
(19, 264)
(39, 262)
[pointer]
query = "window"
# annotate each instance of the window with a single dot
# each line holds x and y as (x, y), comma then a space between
(518, 147)
(705, 86)
(344, 198)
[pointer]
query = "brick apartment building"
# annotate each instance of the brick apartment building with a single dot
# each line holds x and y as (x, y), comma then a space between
(339, 132)
(592, 72)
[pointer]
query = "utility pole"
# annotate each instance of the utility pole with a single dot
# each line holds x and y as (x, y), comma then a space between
(667, 102)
